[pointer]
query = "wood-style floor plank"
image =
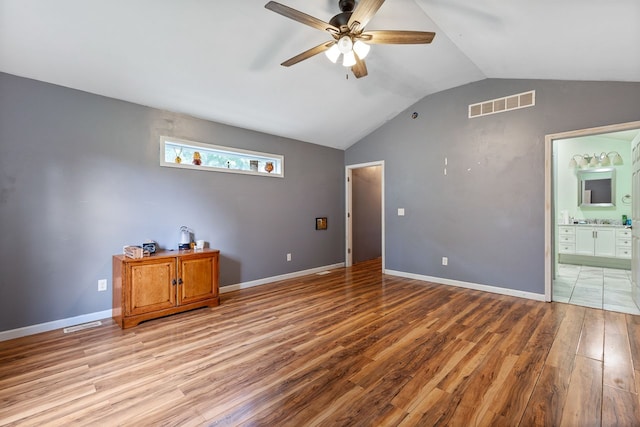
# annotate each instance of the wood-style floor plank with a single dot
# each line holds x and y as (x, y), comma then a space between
(592, 335)
(584, 397)
(633, 331)
(353, 347)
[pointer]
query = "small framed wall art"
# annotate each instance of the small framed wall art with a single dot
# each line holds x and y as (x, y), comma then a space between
(321, 223)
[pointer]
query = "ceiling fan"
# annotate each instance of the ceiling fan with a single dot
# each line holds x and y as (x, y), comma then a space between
(349, 37)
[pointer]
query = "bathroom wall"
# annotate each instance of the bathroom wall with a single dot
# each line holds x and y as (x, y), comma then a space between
(566, 180)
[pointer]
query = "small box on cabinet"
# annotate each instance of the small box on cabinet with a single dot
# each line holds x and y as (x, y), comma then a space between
(133, 252)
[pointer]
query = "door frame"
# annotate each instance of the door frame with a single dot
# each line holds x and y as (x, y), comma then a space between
(348, 253)
(548, 193)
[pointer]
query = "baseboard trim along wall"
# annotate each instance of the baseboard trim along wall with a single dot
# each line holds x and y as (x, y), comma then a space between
(106, 314)
(468, 285)
(56, 324)
(251, 284)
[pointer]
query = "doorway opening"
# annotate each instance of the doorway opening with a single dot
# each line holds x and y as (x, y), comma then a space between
(589, 259)
(364, 216)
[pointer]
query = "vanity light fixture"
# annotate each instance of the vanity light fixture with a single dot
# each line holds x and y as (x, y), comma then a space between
(605, 160)
(587, 160)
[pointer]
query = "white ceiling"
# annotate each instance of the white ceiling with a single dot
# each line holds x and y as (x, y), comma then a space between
(219, 59)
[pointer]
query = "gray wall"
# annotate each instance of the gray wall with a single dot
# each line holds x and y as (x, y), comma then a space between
(487, 214)
(80, 178)
(366, 209)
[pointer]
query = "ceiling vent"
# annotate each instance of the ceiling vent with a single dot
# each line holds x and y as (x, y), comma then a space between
(500, 105)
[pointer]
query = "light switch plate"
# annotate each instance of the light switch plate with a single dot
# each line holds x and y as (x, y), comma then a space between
(400, 211)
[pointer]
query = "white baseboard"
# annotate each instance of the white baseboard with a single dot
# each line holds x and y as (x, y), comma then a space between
(85, 318)
(106, 314)
(56, 324)
(245, 285)
(469, 285)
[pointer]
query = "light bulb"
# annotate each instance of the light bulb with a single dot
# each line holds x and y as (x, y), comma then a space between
(361, 49)
(333, 53)
(617, 159)
(572, 163)
(349, 59)
(345, 44)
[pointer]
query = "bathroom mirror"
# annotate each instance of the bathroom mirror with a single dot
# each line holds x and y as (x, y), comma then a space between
(596, 187)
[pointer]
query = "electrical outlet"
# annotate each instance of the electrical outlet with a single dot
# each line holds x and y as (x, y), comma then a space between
(445, 260)
(102, 285)
(288, 257)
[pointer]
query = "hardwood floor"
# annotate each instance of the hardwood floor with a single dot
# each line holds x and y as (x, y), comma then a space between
(353, 347)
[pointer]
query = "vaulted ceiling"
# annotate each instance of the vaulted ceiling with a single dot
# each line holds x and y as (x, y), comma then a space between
(220, 59)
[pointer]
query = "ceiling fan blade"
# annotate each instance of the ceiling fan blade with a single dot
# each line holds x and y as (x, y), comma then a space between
(308, 53)
(362, 14)
(397, 37)
(301, 17)
(360, 69)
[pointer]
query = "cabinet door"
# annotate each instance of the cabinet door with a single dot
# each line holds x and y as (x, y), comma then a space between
(150, 286)
(199, 277)
(584, 241)
(605, 242)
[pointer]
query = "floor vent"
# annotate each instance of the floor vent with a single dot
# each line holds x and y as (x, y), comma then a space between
(500, 105)
(322, 273)
(83, 326)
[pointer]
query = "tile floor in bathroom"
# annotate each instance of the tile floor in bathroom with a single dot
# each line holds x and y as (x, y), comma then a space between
(596, 287)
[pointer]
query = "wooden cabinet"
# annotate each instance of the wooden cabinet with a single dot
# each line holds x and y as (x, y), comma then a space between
(584, 240)
(623, 243)
(605, 242)
(162, 284)
(567, 239)
(595, 241)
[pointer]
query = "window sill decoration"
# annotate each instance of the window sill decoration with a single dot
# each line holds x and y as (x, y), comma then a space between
(182, 153)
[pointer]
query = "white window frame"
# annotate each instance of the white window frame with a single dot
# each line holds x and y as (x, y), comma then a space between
(277, 159)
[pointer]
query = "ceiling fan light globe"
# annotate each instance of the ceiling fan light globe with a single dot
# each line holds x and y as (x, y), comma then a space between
(361, 49)
(349, 59)
(345, 44)
(333, 53)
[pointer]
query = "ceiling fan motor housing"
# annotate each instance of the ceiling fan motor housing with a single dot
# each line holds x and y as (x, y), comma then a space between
(346, 5)
(342, 19)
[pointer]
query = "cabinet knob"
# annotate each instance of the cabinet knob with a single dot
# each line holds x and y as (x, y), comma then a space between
(180, 282)
(173, 282)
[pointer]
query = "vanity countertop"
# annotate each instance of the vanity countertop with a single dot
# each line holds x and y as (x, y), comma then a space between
(598, 225)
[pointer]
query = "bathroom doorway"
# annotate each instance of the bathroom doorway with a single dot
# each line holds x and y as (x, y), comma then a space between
(589, 256)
